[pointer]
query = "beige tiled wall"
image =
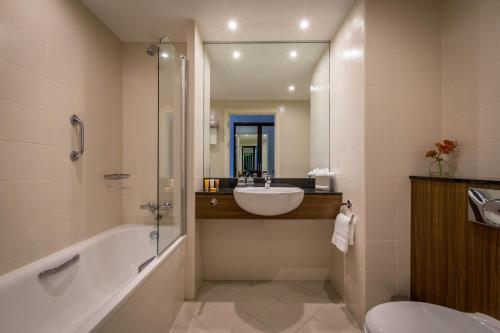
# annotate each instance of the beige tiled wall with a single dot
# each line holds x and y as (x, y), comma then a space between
(265, 249)
(194, 157)
(56, 58)
(320, 114)
(470, 83)
(153, 307)
(348, 151)
(403, 89)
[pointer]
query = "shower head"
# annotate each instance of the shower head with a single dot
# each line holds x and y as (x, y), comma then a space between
(152, 49)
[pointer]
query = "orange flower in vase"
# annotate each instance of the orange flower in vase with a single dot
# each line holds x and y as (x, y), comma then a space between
(440, 167)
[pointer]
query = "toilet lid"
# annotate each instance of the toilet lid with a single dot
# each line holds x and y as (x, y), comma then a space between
(417, 317)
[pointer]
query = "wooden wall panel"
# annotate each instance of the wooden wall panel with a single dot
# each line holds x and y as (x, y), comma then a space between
(454, 262)
(314, 206)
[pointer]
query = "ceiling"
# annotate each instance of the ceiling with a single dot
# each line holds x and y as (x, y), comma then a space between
(258, 20)
(264, 71)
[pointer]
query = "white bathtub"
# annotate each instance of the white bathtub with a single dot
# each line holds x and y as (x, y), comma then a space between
(85, 294)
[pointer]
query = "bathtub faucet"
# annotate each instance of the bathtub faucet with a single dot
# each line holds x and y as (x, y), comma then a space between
(153, 208)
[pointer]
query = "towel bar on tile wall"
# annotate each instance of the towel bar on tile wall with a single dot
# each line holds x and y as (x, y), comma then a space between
(347, 204)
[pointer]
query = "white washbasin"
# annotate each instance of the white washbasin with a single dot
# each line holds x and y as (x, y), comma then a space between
(268, 201)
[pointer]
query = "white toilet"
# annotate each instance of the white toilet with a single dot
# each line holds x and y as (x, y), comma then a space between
(417, 317)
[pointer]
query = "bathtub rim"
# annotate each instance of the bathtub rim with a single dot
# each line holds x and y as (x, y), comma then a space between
(105, 309)
(109, 306)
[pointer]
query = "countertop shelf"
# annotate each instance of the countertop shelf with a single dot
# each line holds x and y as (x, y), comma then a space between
(229, 191)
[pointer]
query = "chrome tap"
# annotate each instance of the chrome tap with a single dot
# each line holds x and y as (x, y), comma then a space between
(153, 208)
(267, 178)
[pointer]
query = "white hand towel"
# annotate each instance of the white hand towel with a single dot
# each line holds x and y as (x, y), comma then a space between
(342, 232)
(354, 221)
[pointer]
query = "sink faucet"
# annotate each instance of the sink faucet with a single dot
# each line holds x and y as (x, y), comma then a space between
(267, 178)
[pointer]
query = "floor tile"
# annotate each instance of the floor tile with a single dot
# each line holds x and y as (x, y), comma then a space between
(283, 317)
(192, 325)
(205, 300)
(275, 288)
(223, 318)
(265, 307)
(315, 326)
(310, 302)
(337, 317)
(322, 288)
(227, 289)
(253, 326)
(253, 300)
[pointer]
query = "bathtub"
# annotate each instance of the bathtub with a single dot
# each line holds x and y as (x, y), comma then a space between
(86, 293)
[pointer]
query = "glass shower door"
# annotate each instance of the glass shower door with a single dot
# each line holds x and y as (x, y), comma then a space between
(171, 141)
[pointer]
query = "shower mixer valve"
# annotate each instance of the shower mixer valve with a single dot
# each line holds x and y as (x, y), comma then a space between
(153, 208)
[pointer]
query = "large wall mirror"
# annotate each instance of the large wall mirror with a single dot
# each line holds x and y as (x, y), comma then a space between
(267, 109)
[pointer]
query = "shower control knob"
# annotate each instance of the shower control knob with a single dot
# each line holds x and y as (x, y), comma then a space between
(165, 206)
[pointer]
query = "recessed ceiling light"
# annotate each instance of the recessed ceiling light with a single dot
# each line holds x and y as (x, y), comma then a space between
(304, 24)
(236, 54)
(164, 55)
(293, 54)
(232, 25)
(291, 88)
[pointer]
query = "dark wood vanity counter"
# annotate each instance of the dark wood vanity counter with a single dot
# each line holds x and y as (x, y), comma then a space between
(317, 205)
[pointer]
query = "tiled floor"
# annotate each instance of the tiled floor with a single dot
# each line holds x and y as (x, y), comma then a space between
(267, 307)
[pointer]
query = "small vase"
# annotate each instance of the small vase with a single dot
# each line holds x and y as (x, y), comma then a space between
(439, 168)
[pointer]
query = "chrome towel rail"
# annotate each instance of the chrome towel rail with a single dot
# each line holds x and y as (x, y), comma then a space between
(76, 121)
(117, 176)
(61, 267)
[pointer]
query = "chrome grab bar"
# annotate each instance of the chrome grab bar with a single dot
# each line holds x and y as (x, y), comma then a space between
(76, 121)
(144, 264)
(61, 267)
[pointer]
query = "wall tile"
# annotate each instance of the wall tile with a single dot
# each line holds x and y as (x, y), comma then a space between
(380, 287)
(380, 255)
(68, 201)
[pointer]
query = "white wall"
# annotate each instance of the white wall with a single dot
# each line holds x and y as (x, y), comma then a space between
(347, 272)
(293, 155)
(194, 157)
(320, 113)
(470, 84)
(403, 94)
(56, 59)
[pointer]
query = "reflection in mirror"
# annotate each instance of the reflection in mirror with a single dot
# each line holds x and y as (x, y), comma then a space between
(266, 109)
